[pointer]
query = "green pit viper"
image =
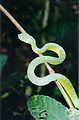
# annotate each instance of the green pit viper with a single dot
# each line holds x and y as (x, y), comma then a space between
(41, 81)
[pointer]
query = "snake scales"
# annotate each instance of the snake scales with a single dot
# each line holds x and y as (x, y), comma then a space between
(41, 81)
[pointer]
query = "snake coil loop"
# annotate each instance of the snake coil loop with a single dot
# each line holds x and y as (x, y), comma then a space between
(62, 80)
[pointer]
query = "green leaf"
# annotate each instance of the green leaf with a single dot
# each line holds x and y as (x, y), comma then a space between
(3, 60)
(73, 114)
(46, 108)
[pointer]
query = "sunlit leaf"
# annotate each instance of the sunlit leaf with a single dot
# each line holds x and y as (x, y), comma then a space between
(46, 108)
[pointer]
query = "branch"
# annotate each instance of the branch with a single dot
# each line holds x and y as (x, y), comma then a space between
(18, 26)
(46, 13)
(45, 19)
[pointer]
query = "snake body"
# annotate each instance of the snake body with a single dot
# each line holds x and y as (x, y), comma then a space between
(41, 81)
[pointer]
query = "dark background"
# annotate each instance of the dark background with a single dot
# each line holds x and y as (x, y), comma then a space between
(61, 28)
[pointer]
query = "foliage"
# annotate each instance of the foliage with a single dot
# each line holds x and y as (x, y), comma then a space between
(46, 108)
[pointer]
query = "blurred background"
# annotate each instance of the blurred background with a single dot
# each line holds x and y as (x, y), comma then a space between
(47, 21)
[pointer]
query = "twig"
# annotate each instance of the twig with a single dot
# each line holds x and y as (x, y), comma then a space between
(46, 13)
(45, 19)
(18, 26)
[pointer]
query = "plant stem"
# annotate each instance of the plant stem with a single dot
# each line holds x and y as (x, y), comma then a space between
(43, 38)
(18, 26)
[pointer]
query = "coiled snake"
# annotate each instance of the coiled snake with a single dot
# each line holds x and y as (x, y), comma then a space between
(41, 81)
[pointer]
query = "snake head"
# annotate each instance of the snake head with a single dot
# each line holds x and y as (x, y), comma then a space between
(26, 38)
